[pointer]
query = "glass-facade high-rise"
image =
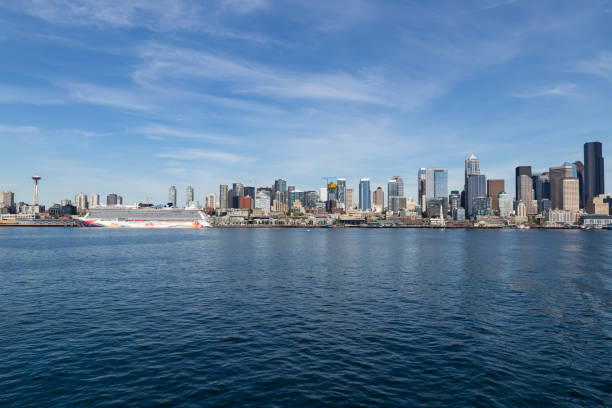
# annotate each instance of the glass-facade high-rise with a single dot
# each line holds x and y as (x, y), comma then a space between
(476, 187)
(172, 196)
(223, 196)
(435, 185)
(189, 196)
(593, 170)
(395, 191)
(365, 195)
(341, 193)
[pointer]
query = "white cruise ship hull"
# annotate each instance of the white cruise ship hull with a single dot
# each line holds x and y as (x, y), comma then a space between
(137, 217)
(144, 224)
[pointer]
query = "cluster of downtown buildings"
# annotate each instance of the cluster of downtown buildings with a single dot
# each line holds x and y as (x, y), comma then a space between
(562, 195)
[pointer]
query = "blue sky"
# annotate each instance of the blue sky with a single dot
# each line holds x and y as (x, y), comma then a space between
(104, 96)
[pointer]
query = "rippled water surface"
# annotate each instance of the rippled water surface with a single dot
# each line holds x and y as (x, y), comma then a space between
(94, 317)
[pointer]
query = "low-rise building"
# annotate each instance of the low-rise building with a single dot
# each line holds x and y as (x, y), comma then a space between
(597, 220)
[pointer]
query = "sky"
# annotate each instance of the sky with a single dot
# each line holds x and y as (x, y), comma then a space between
(130, 97)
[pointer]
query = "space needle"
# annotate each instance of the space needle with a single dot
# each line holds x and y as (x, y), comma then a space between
(36, 177)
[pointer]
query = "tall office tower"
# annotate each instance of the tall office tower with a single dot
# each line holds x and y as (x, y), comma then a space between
(477, 187)
(310, 199)
(189, 196)
(342, 193)
(435, 186)
(542, 187)
(249, 192)
(223, 196)
(211, 202)
(365, 202)
(350, 200)
(94, 200)
(422, 187)
(472, 166)
(525, 192)
(81, 202)
(323, 194)
(119, 199)
(454, 200)
(494, 187)
(570, 194)
(580, 175)
(395, 191)
(231, 198)
(378, 199)
(238, 189)
(280, 185)
(593, 170)
(112, 199)
(506, 204)
(7, 199)
(262, 199)
(36, 179)
(172, 196)
(556, 175)
(332, 197)
(522, 171)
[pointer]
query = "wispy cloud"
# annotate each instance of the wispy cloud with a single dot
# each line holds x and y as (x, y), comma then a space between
(600, 66)
(107, 96)
(557, 90)
(165, 132)
(194, 154)
(28, 95)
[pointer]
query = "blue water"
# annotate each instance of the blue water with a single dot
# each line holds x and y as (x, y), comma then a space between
(94, 317)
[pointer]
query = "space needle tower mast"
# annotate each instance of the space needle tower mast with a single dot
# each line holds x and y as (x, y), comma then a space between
(36, 177)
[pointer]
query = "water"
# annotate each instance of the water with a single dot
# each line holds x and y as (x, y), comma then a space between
(92, 317)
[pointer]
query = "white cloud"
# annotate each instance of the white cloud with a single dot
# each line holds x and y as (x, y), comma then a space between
(557, 90)
(107, 96)
(600, 66)
(161, 132)
(27, 95)
(193, 154)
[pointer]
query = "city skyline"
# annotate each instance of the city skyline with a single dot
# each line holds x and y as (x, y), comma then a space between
(138, 96)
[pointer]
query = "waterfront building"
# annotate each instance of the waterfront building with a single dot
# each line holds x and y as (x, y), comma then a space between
(211, 202)
(172, 196)
(7, 199)
(189, 196)
(494, 187)
(350, 198)
(476, 187)
(245, 203)
(570, 194)
(599, 205)
(472, 167)
(556, 175)
(112, 199)
(580, 175)
(560, 217)
(523, 185)
(482, 206)
(395, 190)
(310, 199)
(459, 214)
(223, 203)
(378, 201)
(94, 200)
(597, 221)
(262, 200)
(422, 186)
(332, 197)
(341, 193)
(506, 204)
(323, 194)
(249, 192)
(593, 170)
(81, 202)
(364, 194)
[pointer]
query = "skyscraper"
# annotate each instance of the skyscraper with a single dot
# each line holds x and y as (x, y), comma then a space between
(81, 202)
(525, 192)
(522, 171)
(422, 187)
(223, 196)
(350, 201)
(593, 170)
(94, 200)
(172, 196)
(477, 187)
(7, 199)
(378, 201)
(189, 196)
(556, 175)
(494, 187)
(365, 202)
(580, 175)
(435, 185)
(570, 194)
(542, 187)
(280, 186)
(332, 196)
(472, 166)
(395, 191)
(506, 204)
(112, 199)
(211, 202)
(341, 193)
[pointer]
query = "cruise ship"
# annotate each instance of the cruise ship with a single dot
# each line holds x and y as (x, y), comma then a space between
(144, 216)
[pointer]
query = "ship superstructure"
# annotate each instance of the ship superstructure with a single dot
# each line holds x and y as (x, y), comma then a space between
(144, 217)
